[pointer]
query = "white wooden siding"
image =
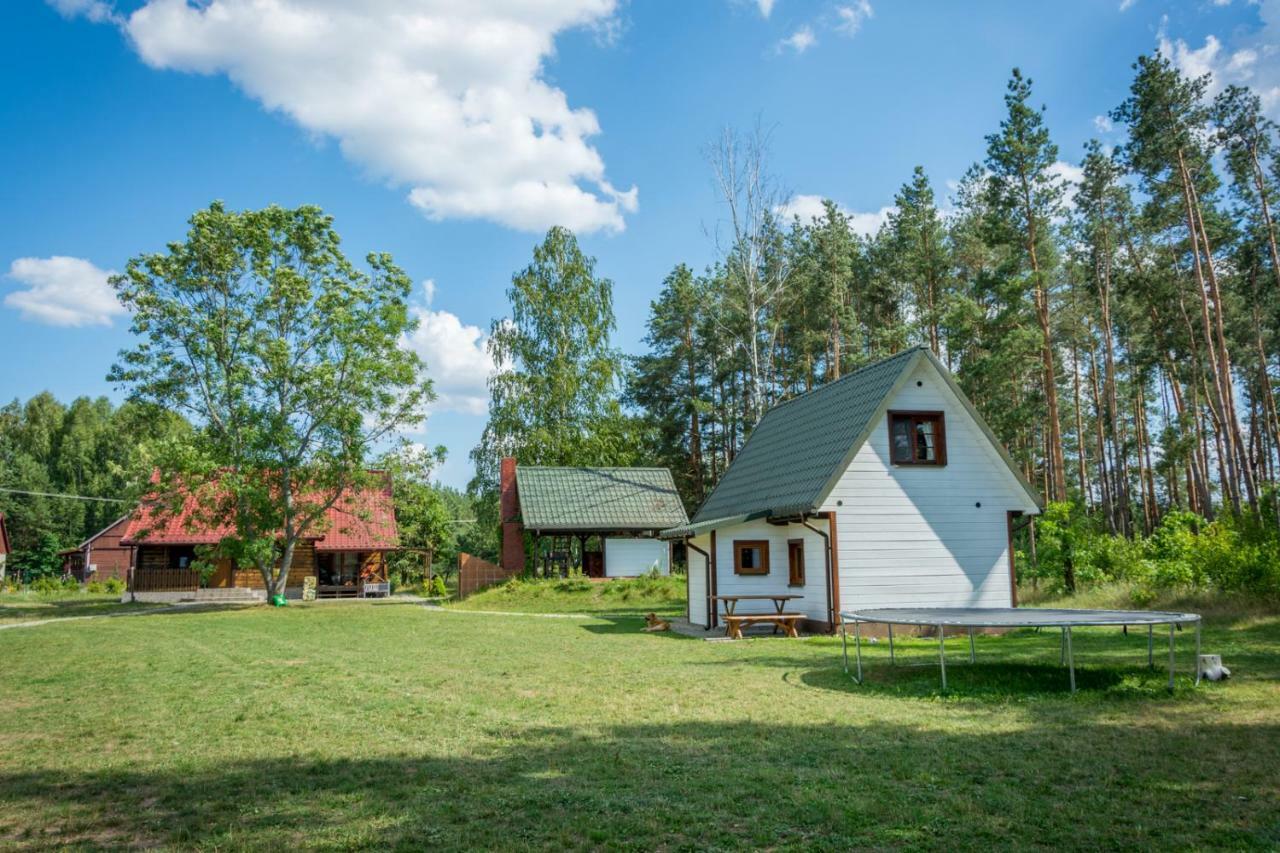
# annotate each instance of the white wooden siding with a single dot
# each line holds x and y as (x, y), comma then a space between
(629, 557)
(814, 603)
(913, 535)
(697, 581)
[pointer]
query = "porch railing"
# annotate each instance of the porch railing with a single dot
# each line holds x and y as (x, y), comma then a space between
(165, 580)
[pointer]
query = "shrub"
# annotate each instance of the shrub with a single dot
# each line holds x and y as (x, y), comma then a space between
(50, 585)
(114, 586)
(438, 589)
(95, 588)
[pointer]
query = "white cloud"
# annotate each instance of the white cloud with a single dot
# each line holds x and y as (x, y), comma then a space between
(1102, 124)
(867, 223)
(457, 360)
(799, 41)
(1125, 5)
(765, 7)
(810, 207)
(1253, 61)
(1068, 172)
(849, 18)
(448, 100)
(62, 291)
(97, 11)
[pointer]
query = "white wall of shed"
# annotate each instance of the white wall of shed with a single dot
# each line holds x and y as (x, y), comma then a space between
(626, 557)
(913, 535)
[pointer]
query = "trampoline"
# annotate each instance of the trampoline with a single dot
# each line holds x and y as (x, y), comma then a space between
(1012, 617)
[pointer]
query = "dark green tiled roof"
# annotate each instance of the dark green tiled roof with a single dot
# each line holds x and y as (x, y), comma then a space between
(600, 499)
(799, 445)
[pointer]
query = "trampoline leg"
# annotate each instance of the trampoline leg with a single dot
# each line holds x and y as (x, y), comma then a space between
(857, 646)
(1071, 661)
(1151, 646)
(1171, 658)
(891, 658)
(942, 657)
(1197, 653)
(844, 645)
(971, 655)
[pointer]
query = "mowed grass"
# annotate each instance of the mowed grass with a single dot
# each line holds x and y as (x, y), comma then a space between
(29, 606)
(384, 725)
(660, 594)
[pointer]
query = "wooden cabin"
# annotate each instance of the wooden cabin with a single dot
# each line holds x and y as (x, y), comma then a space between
(101, 556)
(347, 558)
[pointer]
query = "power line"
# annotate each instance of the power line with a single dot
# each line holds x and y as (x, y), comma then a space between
(68, 497)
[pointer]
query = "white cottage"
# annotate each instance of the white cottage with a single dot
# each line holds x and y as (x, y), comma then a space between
(883, 488)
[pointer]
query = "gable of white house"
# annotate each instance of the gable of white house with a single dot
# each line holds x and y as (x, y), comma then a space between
(921, 535)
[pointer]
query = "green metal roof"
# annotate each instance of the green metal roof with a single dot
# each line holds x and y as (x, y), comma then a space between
(598, 499)
(801, 446)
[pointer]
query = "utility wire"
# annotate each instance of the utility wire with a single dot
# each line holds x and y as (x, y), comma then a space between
(68, 497)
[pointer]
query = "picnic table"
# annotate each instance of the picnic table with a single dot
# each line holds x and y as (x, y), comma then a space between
(779, 619)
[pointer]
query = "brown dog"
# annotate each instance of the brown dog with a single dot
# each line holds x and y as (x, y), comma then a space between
(653, 624)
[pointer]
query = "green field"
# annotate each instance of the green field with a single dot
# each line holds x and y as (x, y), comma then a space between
(391, 725)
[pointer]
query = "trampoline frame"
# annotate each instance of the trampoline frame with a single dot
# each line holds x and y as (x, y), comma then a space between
(1003, 617)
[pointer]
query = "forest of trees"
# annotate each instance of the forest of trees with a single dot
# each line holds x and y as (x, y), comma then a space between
(89, 448)
(1118, 332)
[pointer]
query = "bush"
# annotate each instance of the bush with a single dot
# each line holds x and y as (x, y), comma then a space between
(438, 589)
(95, 588)
(114, 586)
(50, 585)
(1184, 552)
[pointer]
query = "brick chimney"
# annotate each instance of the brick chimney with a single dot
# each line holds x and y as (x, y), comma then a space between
(512, 530)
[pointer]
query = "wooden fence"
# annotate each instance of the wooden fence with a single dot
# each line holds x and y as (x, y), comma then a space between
(165, 580)
(475, 574)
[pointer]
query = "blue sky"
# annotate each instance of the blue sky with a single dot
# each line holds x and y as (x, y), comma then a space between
(410, 123)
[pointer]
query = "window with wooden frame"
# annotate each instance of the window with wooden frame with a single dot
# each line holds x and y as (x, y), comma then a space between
(750, 556)
(917, 438)
(180, 556)
(795, 562)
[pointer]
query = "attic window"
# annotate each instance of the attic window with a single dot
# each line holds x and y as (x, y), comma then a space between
(917, 438)
(750, 557)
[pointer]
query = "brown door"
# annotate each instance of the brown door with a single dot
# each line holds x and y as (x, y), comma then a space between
(593, 564)
(222, 575)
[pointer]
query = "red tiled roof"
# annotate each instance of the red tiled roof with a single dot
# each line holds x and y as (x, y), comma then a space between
(362, 520)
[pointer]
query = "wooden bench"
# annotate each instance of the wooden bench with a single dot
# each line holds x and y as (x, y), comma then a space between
(786, 621)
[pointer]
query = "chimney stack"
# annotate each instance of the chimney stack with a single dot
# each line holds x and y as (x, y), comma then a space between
(512, 530)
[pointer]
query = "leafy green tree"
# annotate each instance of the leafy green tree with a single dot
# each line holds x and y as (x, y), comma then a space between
(287, 358)
(422, 514)
(554, 399)
(1168, 125)
(669, 382)
(917, 238)
(1025, 196)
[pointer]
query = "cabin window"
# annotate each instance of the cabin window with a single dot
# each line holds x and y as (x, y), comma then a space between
(181, 556)
(795, 562)
(917, 438)
(751, 557)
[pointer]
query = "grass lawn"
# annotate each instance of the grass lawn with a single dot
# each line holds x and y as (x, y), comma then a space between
(28, 606)
(371, 724)
(579, 595)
